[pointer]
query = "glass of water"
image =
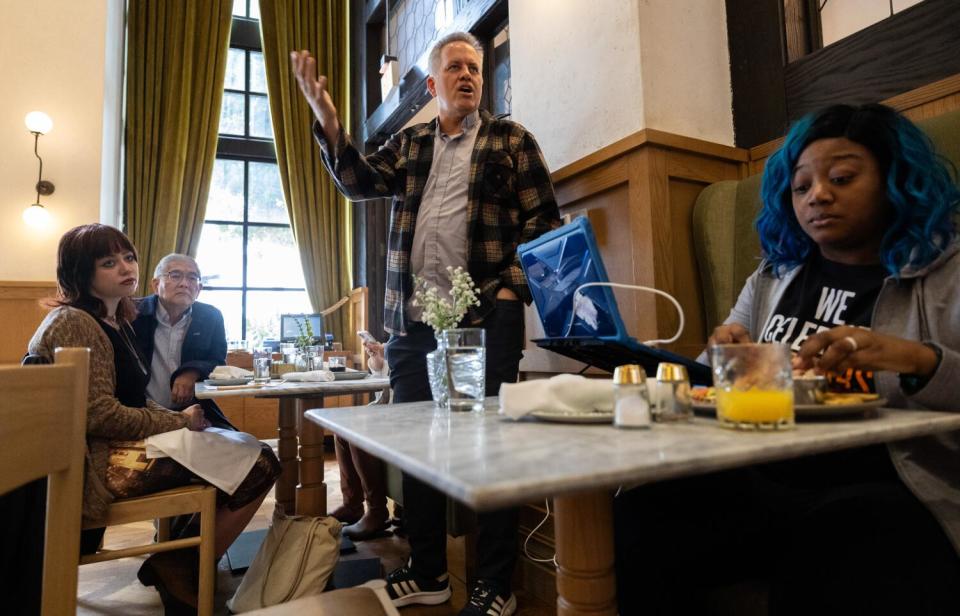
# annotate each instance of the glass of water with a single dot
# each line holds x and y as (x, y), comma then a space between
(262, 360)
(466, 368)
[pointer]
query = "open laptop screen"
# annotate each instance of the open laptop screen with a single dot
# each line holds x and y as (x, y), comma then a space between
(289, 329)
(556, 264)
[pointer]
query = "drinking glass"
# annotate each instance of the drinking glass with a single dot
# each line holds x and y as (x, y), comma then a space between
(262, 360)
(289, 352)
(754, 385)
(466, 368)
(336, 363)
(313, 355)
(436, 374)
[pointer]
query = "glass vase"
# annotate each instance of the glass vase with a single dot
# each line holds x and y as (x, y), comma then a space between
(437, 373)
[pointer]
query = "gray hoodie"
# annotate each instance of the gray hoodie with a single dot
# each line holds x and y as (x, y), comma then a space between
(922, 305)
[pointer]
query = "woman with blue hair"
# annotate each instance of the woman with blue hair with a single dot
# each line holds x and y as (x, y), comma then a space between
(859, 278)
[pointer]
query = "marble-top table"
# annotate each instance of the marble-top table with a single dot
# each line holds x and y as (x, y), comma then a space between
(487, 461)
(310, 496)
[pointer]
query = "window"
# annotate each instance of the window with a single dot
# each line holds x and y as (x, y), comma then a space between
(247, 253)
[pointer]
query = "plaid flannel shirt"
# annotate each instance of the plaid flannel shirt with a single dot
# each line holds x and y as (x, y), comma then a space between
(510, 201)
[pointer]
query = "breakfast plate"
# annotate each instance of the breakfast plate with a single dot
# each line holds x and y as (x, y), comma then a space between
(578, 418)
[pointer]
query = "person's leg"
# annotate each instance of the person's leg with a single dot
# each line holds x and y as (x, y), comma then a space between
(424, 507)
(372, 476)
(351, 485)
(407, 358)
(497, 530)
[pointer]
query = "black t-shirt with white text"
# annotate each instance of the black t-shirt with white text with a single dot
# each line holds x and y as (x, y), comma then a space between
(826, 294)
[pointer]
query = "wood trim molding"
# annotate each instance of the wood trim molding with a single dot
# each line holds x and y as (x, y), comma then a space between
(649, 136)
(26, 289)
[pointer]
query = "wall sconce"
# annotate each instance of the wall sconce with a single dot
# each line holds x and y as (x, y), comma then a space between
(38, 123)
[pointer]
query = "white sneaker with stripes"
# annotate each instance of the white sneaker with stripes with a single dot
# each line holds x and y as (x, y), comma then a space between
(485, 600)
(405, 588)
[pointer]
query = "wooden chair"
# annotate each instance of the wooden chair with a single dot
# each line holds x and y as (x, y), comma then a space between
(162, 505)
(42, 433)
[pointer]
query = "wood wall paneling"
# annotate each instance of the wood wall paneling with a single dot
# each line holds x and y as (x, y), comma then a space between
(915, 47)
(21, 313)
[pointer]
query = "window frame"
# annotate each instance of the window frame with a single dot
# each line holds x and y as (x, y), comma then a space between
(245, 35)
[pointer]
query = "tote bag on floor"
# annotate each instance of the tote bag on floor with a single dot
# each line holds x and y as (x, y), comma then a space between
(296, 559)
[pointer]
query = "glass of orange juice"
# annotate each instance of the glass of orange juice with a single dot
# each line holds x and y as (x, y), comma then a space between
(754, 385)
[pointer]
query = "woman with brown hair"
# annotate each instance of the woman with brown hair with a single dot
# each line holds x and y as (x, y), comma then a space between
(97, 273)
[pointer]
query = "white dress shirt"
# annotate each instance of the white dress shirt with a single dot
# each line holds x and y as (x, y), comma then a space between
(167, 344)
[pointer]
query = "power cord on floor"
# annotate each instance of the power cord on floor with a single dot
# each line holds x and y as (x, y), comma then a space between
(552, 559)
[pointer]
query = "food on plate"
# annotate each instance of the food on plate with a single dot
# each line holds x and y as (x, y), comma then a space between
(704, 394)
(838, 399)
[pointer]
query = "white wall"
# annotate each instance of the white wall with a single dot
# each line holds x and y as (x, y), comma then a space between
(586, 74)
(576, 73)
(686, 68)
(52, 60)
(842, 18)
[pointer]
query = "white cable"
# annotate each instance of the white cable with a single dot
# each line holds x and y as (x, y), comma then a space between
(636, 287)
(552, 559)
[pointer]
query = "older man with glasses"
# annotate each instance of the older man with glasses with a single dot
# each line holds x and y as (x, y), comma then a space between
(182, 339)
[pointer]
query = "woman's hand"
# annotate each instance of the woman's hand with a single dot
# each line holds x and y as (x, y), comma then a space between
(733, 333)
(181, 392)
(843, 348)
(197, 422)
(374, 355)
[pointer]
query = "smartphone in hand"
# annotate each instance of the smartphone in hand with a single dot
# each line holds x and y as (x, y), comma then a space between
(367, 336)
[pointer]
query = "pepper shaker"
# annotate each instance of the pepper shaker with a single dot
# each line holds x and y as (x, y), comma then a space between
(673, 394)
(631, 403)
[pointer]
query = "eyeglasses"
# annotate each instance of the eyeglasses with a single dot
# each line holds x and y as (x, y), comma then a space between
(177, 276)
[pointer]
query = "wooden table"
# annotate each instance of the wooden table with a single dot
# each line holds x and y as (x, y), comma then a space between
(301, 487)
(489, 462)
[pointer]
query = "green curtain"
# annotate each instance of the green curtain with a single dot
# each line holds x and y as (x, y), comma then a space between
(320, 216)
(176, 61)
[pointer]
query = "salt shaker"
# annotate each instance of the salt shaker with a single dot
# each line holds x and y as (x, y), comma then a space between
(631, 404)
(673, 394)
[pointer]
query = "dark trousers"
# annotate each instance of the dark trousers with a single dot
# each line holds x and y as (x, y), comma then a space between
(832, 534)
(424, 507)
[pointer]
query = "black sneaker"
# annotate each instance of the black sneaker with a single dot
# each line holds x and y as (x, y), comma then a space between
(405, 588)
(485, 601)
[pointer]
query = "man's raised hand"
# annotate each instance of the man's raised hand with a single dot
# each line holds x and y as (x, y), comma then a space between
(314, 90)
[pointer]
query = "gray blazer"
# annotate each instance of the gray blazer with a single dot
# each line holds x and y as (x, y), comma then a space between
(922, 305)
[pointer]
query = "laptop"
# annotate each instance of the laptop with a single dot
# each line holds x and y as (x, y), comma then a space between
(290, 325)
(555, 265)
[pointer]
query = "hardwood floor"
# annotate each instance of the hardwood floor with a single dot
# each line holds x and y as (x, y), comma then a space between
(111, 588)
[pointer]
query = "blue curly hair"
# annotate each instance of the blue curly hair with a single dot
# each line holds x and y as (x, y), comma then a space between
(920, 187)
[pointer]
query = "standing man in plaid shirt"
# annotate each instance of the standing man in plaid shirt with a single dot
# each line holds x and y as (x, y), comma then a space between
(467, 189)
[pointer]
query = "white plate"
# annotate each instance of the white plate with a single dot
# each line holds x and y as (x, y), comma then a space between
(812, 410)
(579, 418)
(349, 375)
(219, 382)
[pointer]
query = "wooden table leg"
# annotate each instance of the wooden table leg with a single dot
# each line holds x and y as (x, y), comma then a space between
(287, 434)
(312, 491)
(583, 526)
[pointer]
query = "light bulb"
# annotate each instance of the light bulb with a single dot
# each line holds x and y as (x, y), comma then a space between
(36, 216)
(38, 122)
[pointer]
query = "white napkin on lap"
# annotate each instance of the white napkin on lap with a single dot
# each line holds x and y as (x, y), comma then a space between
(564, 393)
(222, 457)
(313, 376)
(230, 372)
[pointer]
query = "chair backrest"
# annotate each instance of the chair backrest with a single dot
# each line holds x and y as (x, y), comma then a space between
(42, 434)
(727, 246)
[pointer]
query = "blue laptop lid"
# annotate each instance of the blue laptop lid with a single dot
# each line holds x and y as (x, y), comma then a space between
(556, 264)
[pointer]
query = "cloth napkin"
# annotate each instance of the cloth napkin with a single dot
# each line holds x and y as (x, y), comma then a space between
(230, 372)
(313, 376)
(564, 393)
(222, 457)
